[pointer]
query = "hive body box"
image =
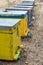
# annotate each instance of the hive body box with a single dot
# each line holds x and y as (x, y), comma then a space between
(18, 15)
(10, 41)
(29, 10)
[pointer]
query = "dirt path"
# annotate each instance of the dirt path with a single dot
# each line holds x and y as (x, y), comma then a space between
(34, 46)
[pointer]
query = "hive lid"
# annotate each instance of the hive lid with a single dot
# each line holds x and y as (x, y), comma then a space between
(20, 5)
(19, 8)
(8, 23)
(28, 0)
(27, 3)
(13, 14)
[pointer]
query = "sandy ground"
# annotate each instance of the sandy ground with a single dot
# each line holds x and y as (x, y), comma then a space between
(7, 3)
(34, 46)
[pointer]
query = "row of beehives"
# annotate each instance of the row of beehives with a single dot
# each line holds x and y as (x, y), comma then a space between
(14, 24)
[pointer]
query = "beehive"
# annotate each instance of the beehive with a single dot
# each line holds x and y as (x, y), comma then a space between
(10, 40)
(28, 4)
(18, 15)
(29, 10)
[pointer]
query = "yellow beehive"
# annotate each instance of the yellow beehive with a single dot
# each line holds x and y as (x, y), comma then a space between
(10, 42)
(18, 15)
